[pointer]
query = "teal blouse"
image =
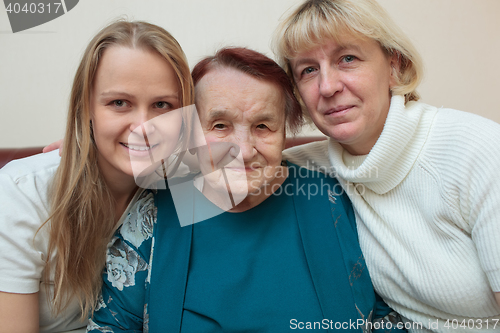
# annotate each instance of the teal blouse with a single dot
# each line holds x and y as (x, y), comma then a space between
(291, 262)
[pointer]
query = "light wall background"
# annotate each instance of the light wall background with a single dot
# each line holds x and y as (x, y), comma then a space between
(458, 39)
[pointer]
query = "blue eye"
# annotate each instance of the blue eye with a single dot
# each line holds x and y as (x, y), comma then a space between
(119, 103)
(308, 70)
(349, 58)
(162, 105)
(219, 126)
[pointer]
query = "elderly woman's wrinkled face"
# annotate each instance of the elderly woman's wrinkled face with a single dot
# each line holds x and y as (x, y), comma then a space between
(244, 125)
(346, 88)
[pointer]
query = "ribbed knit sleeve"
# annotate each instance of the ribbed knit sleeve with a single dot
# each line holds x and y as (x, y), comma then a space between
(464, 149)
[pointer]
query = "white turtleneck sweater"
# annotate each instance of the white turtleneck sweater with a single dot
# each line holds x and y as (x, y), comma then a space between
(427, 202)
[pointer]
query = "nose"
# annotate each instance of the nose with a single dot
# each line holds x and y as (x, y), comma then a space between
(142, 123)
(329, 82)
(246, 143)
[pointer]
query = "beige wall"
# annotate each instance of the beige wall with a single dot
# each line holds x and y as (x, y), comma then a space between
(460, 43)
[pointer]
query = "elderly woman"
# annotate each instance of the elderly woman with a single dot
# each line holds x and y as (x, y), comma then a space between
(264, 264)
(424, 181)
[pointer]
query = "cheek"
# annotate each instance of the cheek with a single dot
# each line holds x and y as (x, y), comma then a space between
(272, 151)
(215, 154)
(169, 124)
(309, 93)
(99, 132)
(105, 131)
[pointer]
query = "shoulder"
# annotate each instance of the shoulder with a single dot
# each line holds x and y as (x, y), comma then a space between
(461, 155)
(317, 184)
(34, 166)
(468, 128)
(311, 175)
(319, 192)
(310, 155)
(25, 182)
(463, 139)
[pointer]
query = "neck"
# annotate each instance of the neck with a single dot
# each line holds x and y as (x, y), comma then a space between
(122, 191)
(357, 150)
(121, 202)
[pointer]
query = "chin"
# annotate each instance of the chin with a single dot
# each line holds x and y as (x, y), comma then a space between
(143, 169)
(343, 135)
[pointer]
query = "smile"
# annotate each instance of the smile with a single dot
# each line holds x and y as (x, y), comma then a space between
(339, 109)
(139, 147)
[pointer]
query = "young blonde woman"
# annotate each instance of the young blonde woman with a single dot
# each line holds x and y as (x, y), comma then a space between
(58, 214)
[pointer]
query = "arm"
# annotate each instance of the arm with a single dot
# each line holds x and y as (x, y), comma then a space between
(482, 198)
(19, 313)
(24, 208)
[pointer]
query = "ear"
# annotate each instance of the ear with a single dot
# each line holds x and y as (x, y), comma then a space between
(395, 64)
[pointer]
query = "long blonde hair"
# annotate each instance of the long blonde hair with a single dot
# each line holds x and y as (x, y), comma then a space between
(316, 21)
(82, 219)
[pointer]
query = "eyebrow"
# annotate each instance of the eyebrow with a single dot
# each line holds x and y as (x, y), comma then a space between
(112, 93)
(264, 116)
(214, 114)
(338, 49)
(267, 116)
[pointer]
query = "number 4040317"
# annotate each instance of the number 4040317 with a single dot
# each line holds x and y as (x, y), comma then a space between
(32, 8)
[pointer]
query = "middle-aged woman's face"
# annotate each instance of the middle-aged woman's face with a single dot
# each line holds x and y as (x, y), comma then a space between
(345, 86)
(236, 108)
(131, 87)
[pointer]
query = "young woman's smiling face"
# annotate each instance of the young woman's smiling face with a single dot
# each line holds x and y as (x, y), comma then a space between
(131, 87)
(346, 88)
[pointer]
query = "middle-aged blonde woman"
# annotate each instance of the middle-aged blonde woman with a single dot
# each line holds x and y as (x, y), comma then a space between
(424, 181)
(58, 215)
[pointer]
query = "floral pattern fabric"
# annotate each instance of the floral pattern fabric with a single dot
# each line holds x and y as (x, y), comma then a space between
(127, 261)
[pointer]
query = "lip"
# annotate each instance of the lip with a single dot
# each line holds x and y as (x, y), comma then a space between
(138, 149)
(339, 110)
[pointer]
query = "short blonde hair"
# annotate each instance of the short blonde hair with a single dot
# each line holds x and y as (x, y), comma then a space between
(315, 21)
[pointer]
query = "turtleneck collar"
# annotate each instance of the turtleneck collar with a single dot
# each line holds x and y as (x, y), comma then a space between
(395, 152)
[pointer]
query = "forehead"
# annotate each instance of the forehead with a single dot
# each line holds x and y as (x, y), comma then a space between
(125, 68)
(232, 92)
(342, 43)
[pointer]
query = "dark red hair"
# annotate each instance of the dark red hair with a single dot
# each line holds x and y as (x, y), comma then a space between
(259, 66)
